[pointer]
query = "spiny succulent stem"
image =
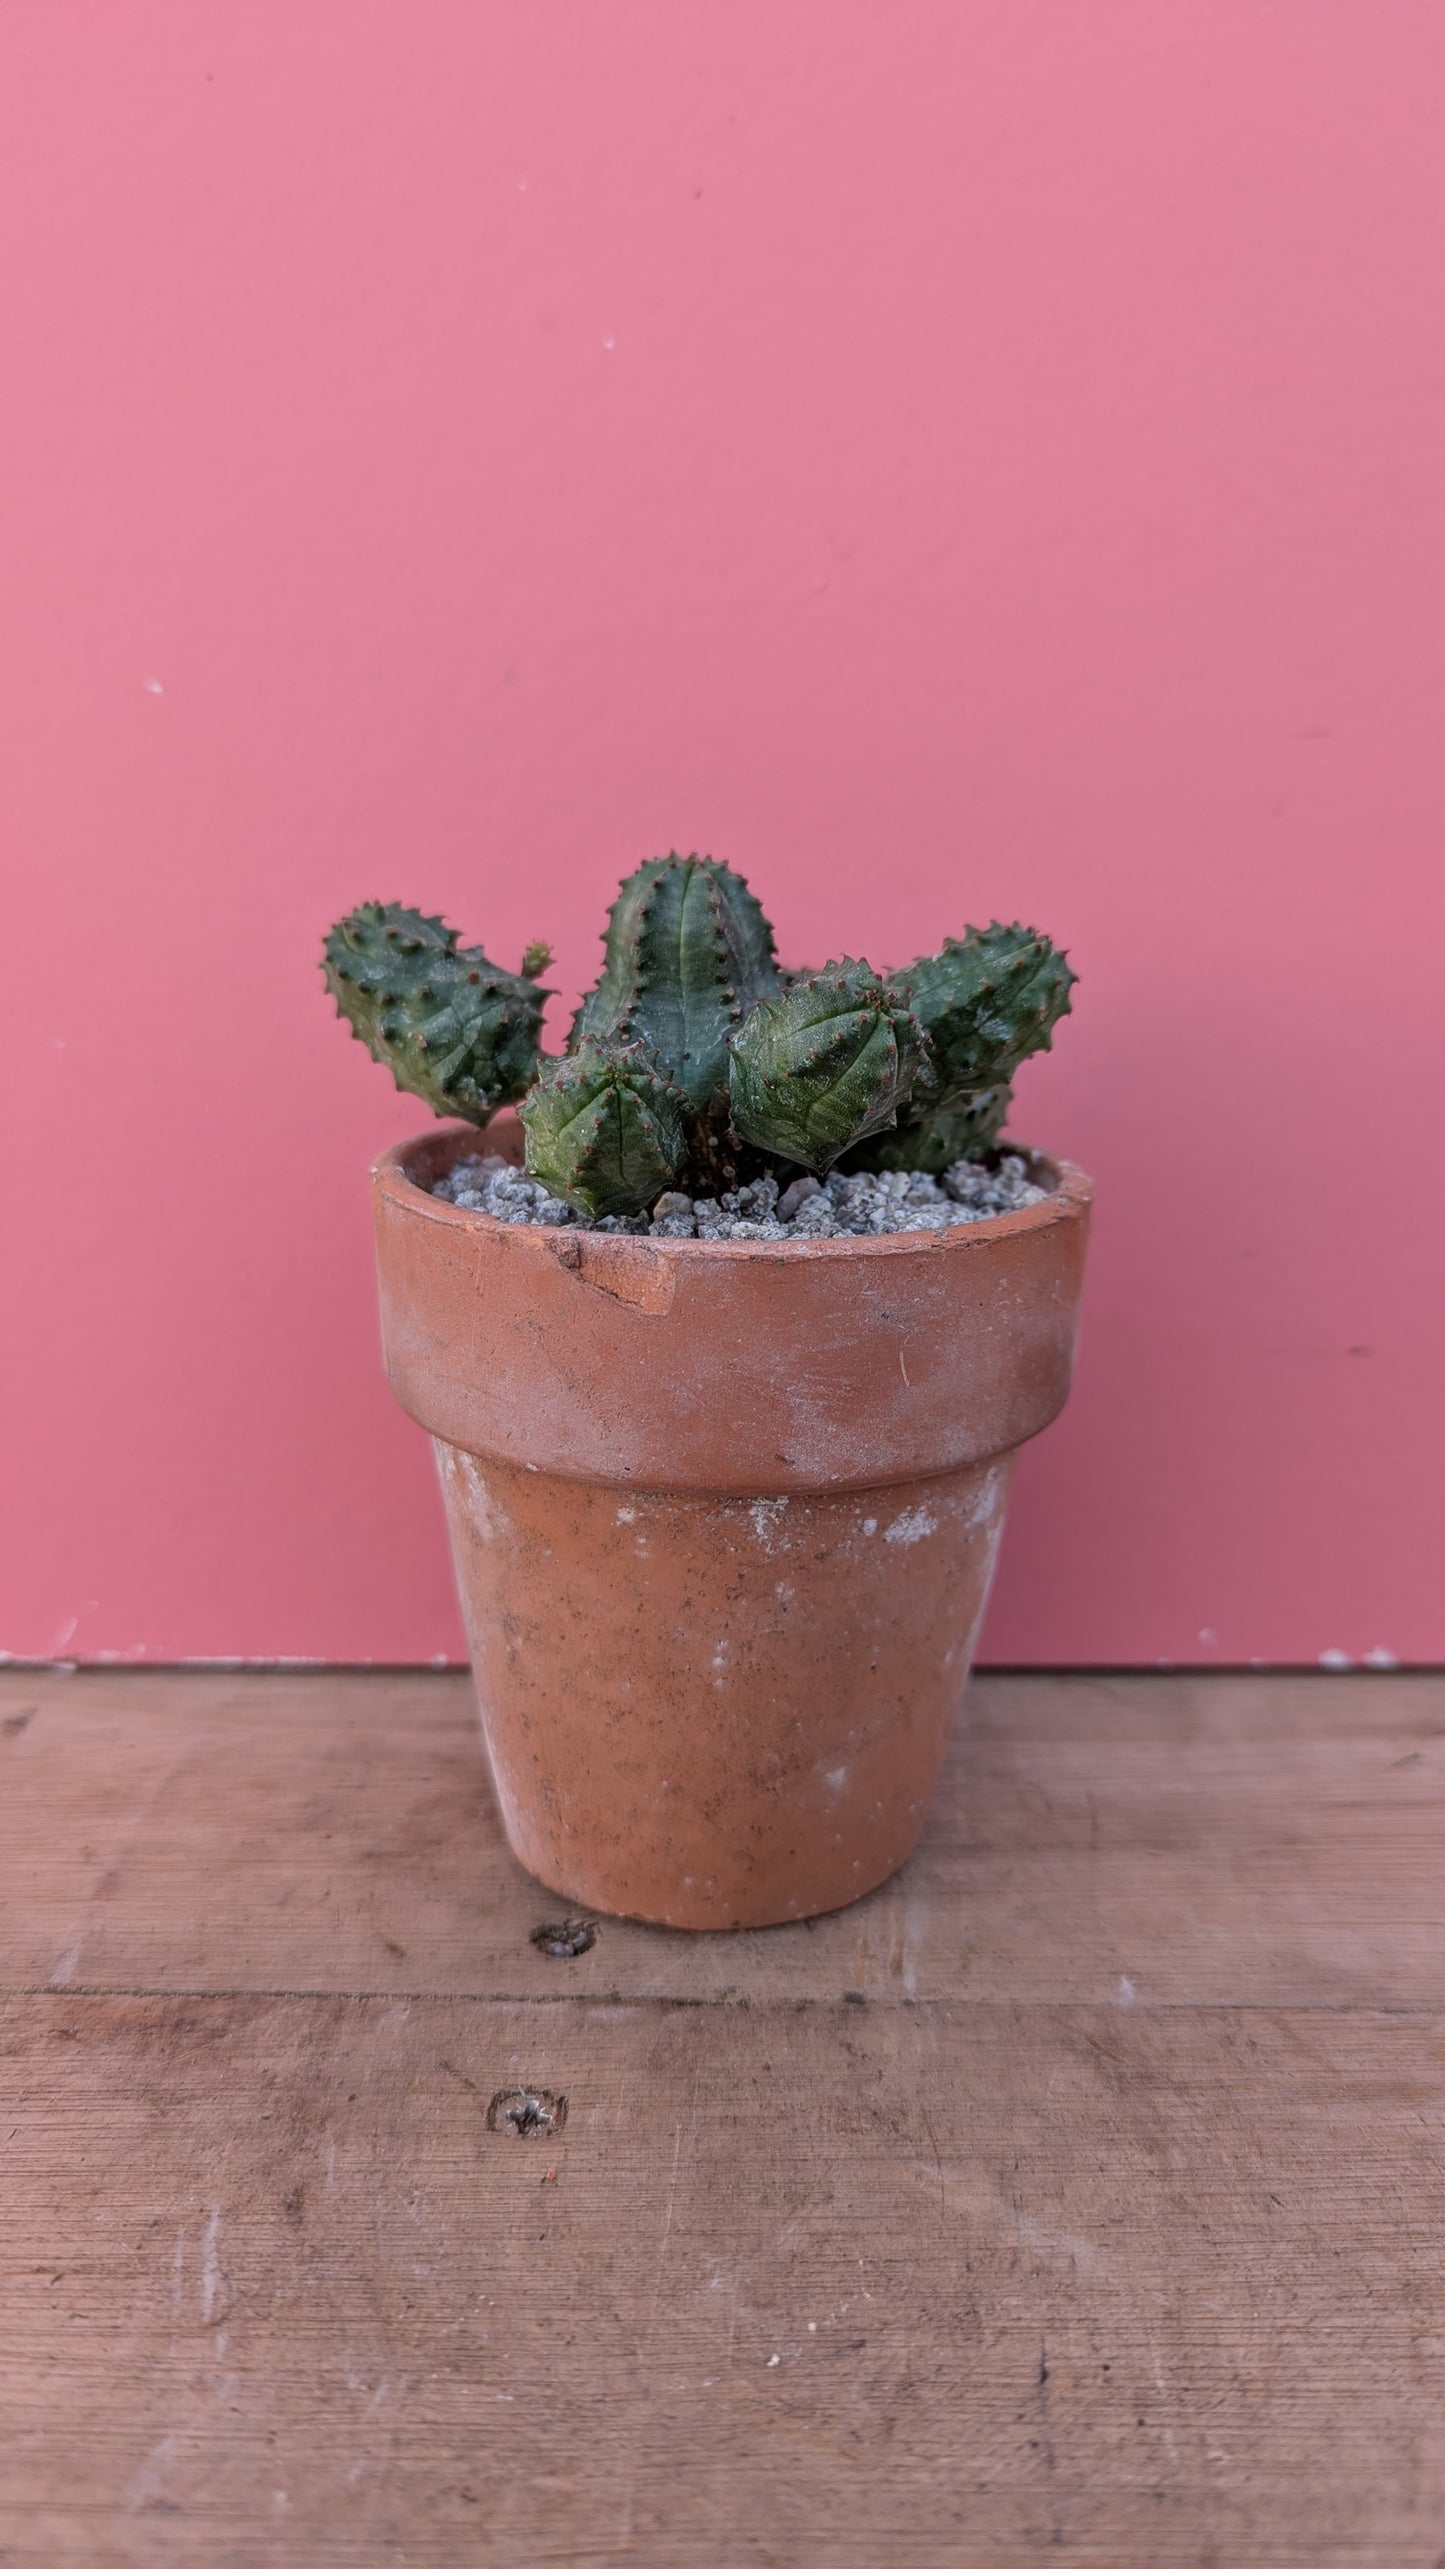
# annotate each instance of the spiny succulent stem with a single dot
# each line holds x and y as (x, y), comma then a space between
(604, 1128)
(986, 1000)
(809, 1100)
(686, 944)
(695, 1057)
(448, 1024)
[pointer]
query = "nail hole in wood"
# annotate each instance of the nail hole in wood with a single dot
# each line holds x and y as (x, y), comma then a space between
(525, 2110)
(565, 1938)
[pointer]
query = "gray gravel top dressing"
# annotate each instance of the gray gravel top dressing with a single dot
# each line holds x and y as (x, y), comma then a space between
(891, 1200)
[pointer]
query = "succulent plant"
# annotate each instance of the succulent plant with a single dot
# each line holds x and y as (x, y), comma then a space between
(817, 1070)
(688, 952)
(695, 1058)
(448, 1025)
(986, 1001)
(604, 1127)
(933, 1142)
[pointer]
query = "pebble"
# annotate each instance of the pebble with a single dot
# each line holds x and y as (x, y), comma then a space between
(808, 1208)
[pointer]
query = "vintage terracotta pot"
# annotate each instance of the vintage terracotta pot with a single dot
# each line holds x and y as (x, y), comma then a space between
(724, 1516)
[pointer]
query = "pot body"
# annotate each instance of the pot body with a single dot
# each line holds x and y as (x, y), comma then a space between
(724, 1517)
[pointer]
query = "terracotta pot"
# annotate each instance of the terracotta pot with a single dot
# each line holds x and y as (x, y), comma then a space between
(724, 1516)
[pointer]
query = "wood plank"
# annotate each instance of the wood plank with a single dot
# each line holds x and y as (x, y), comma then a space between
(969, 2284)
(1161, 1840)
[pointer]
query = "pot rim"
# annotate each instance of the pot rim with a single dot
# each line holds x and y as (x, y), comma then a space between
(1071, 1191)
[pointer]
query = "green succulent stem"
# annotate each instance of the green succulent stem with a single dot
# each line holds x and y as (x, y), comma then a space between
(969, 1131)
(830, 1061)
(448, 1024)
(605, 1128)
(986, 1001)
(696, 1057)
(688, 952)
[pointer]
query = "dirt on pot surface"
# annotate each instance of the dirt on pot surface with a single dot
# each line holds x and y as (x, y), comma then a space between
(865, 1205)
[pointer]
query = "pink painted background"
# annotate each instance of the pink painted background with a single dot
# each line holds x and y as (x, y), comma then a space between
(944, 457)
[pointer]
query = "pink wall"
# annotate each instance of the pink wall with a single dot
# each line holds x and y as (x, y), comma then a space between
(945, 458)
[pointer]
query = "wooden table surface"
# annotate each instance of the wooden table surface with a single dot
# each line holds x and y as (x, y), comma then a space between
(1081, 2195)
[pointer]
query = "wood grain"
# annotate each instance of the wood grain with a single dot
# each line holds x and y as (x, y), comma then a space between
(1101, 2220)
(1224, 1839)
